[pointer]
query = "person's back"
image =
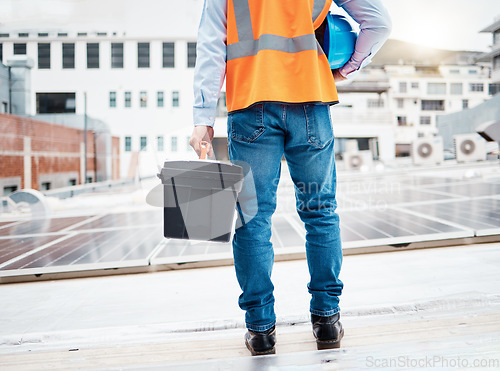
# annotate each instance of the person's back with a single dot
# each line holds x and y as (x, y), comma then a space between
(273, 55)
(279, 90)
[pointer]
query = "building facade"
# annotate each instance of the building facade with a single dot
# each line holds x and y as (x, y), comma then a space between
(419, 94)
(140, 87)
(493, 56)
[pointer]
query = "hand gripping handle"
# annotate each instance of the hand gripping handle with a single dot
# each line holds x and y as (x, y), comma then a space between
(204, 149)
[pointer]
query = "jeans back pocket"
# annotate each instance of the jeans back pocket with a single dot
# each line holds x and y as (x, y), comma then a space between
(319, 125)
(246, 125)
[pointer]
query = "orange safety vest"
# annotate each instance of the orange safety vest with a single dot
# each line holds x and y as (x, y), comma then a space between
(273, 55)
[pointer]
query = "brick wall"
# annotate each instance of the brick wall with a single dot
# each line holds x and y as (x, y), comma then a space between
(51, 149)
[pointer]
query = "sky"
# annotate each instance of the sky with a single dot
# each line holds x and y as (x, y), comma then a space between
(444, 24)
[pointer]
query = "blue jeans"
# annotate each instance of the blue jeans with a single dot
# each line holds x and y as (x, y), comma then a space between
(258, 137)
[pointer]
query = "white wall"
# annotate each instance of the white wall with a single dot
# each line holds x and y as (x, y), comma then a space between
(136, 121)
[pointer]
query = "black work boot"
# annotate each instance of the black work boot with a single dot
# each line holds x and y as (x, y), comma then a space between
(328, 331)
(261, 343)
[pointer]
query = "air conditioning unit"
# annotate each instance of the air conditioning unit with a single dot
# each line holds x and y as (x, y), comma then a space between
(469, 147)
(358, 160)
(427, 151)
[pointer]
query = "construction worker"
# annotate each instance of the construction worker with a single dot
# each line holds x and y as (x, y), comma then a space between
(279, 89)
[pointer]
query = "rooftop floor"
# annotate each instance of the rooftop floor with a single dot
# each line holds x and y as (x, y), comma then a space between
(440, 304)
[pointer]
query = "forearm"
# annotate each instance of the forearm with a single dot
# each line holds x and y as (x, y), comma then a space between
(375, 26)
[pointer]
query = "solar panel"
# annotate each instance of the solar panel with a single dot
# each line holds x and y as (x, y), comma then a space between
(375, 209)
(16, 246)
(79, 243)
(140, 218)
(474, 189)
(95, 250)
(482, 214)
(41, 225)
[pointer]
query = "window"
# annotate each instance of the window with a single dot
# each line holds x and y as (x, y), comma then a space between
(43, 55)
(465, 103)
(402, 121)
(159, 96)
(191, 54)
(173, 145)
(494, 89)
(128, 144)
(425, 120)
(456, 88)
(143, 55)
(455, 72)
(7, 190)
(68, 50)
(71, 182)
(496, 37)
(144, 143)
(400, 102)
(168, 55)
(43, 34)
(143, 98)
(432, 105)
(112, 99)
(188, 146)
(402, 87)
(476, 87)
(496, 63)
(436, 88)
(23, 34)
(4, 34)
(92, 55)
(160, 143)
(55, 103)
(414, 85)
(116, 55)
(81, 34)
(19, 49)
(128, 99)
(45, 186)
(1, 52)
(102, 34)
(375, 103)
(175, 99)
(472, 72)
(62, 34)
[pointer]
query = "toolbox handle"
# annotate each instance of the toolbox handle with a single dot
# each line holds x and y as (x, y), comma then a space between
(204, 149)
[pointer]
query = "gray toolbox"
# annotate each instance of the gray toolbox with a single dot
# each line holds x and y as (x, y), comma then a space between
(199, 199)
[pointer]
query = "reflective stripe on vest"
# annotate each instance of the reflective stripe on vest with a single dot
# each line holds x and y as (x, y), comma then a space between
(247, 46)
(318, 7)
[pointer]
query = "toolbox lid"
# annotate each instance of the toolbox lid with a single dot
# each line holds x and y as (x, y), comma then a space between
(199, 171)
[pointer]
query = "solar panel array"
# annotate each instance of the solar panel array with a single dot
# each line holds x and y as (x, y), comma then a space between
(375, 210)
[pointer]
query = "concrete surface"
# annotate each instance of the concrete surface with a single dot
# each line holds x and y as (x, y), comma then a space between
(418, 304)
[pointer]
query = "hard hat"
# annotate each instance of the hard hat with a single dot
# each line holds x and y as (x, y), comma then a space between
(339, 40)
